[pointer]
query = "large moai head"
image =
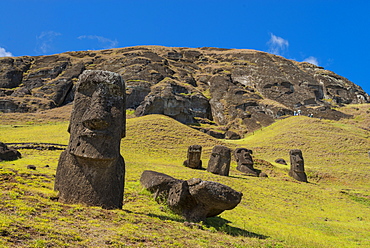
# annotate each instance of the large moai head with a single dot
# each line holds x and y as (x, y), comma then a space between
(219, 162)
(193, 157)
(91, 171)
(98, 119)
(297, 165)
(245, 161)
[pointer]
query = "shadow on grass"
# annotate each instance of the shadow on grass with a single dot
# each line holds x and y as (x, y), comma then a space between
(218, 224)
(221, 225)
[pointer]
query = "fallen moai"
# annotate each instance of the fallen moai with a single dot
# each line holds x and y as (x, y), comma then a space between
(297, 165)
(194, 199)
(193, 158)
(219, 161)
(91, 170)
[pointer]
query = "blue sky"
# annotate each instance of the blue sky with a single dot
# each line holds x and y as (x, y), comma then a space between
(332, 34)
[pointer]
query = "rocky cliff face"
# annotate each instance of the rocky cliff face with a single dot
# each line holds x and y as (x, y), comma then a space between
(238, 89)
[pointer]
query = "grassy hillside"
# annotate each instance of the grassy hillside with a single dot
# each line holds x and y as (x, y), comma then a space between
(332, 210)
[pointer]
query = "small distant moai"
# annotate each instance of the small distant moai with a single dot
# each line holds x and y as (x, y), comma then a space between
(91, 171)
(369, 153)
(297, 165)
(245, 162)
(219, 162)
(194, 154)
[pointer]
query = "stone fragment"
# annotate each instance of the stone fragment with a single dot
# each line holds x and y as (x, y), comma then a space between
(31, 167)
(194, 154)
(91, 170)
(245, 162)
(280, 161)
(297, 165)
(219, 162)
(194, 199)
(8, 153)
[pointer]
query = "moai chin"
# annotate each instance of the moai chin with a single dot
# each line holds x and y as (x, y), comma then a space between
(219, 162)
(297, 165)
(245, 162)
(91, 170)
(193, 160)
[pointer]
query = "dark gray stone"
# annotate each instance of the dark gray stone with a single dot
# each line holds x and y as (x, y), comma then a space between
(219, 162)
(91, 170)
(8, 153)
(245, 161)
(194, 154)
(194, 199)
(297, 165)
(280, 161)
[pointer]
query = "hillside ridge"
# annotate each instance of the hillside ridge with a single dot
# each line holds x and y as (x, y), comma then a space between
(239, 89)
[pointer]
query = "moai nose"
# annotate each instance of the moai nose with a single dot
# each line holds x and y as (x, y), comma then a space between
(96, 117)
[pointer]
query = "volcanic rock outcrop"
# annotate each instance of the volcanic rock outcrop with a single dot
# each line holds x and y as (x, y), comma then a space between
(194, 199)
(240, 89)
(91, 171)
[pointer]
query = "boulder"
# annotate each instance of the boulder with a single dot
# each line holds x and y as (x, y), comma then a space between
(280, 161)
(194, 199)
(8, 153)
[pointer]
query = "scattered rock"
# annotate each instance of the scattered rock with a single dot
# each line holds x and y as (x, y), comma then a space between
(31, 167)
(280, 161)
(8, 153)
(231, 135)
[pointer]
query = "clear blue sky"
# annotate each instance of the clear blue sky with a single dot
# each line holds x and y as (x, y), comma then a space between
(334, 34)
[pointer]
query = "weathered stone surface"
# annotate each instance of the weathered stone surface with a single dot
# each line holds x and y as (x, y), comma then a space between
(280, 161)
(8, 153)
(232, 135)
(241, 89)
(245, 161)
(219, 162)
(91, 170)
(193, 157)
(194, 199)
(297, 165)
(180, 102)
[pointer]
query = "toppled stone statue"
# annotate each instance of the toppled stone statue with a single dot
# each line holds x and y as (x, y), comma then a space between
(194, 199)
(245, 162)
(91, 170)
(8, 153)
(194, 154)
(219, 162)
(297, 165)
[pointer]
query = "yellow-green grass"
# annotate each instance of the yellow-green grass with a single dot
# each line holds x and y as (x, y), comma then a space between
(333, 210)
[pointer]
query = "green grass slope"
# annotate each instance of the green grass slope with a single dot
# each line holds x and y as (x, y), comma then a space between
(332, 210)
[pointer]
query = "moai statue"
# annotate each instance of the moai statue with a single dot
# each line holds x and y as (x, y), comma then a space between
(91, 171)
(194, 154)
(297, 165)
(245, 162)
(369, 153)
(219, 162)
